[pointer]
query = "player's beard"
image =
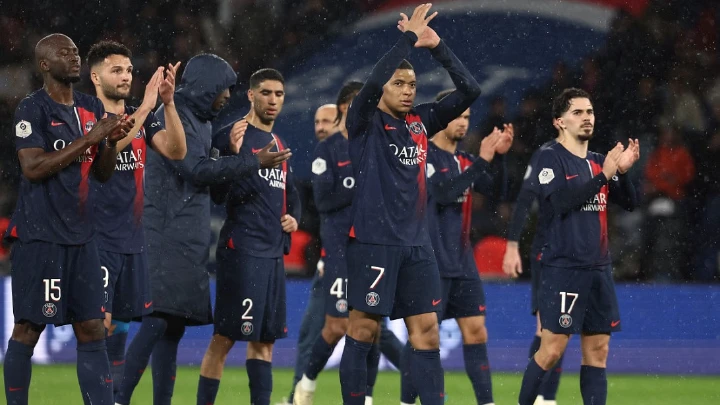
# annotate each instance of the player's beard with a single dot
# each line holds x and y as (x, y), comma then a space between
(585, 135)
(66, 78)
(115, 93)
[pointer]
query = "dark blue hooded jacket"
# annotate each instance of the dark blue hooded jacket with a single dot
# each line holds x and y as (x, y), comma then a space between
(177, 198)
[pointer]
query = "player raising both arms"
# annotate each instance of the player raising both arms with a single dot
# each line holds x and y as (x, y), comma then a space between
(63, 146)
(391, 266)
(577, 294)
(452, 175)
(119, 201)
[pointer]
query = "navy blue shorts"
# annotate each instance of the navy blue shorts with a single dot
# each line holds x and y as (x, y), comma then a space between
(462, 297)
(250, 297)
(395, 281)
(535, 267)
(56, 284)
(573, 301)
(127, 285)
(335, 280)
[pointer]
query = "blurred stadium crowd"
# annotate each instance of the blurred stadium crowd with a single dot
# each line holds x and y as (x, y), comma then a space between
(657, 78)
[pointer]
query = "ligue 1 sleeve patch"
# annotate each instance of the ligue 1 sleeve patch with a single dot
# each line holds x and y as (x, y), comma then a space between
(546, 176)
(527, 173)
(23, 129)
(430, 170)
(319, 166)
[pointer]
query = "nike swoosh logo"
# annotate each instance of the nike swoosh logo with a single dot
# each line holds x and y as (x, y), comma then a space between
(357, 394)
(614, 324)
(571, 177)
(481, 308)
(15, 389)
(435, 302)
(389, 128)
(445, 170)
(56, 124)
(256, 150)
(117, 363)
(108, 381)
(147, 304)
(484, 367)
(343, 163)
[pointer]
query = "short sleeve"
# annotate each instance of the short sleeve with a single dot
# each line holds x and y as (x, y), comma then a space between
(28, 125)
(549, 173)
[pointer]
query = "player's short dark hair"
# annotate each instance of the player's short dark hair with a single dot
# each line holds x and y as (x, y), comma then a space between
(562, 102)
(348, 91)
(101, 50)
(265, 74)
(443, 93)
(405, 65)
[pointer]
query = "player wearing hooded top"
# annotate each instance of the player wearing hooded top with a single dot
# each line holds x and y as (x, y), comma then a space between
(262, 211)
(63, 146)
(177, 225)
(119, 207)
(452, 175)
(391, 266)
(577, 294)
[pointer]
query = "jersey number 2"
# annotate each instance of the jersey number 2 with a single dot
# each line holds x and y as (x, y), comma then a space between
(248, 302)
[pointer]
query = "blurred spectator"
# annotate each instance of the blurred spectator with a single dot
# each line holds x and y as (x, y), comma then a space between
(669, 171)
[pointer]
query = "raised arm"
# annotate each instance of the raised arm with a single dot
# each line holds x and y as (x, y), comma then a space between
(170, 142)
(365, 103)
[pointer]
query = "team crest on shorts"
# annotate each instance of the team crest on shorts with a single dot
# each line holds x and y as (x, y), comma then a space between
(246, 328)
(565, 320)
(342, 306)
(49, 309)
(372, 299)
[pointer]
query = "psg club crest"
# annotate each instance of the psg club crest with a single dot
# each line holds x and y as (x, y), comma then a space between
(246, 328)
(49, 310)
(140, 134)
(89, 126)
(565, 320)
(372, 299)
(415, 128)
(342, 306)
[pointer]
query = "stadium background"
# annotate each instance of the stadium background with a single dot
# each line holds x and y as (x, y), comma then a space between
(651, 67)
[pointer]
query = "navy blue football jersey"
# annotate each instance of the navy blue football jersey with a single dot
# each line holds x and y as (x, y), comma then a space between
(57, 209)
(333, 188)
(257, 202)
(450, 207)
(389, 154)
(574, 195)
(119, 201)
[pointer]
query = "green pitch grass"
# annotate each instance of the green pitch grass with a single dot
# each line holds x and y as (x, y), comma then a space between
(57, 385)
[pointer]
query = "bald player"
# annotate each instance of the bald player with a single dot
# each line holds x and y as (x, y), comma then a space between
(325, 123)
(64, 144)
